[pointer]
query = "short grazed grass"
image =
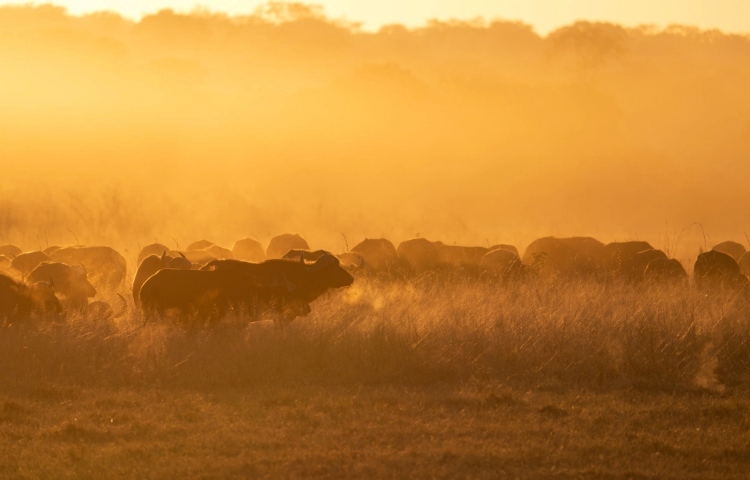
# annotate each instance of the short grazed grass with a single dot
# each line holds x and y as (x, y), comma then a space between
(387, 431)
(432, 377)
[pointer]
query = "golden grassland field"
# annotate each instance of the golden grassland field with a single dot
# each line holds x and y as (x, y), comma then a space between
(438, 376)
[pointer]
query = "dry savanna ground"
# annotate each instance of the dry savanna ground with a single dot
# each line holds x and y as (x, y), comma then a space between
(431, 377)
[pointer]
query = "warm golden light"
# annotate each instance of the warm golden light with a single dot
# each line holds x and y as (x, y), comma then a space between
(205, 125)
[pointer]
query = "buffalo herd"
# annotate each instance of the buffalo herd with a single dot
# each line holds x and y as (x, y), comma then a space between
(206, 282)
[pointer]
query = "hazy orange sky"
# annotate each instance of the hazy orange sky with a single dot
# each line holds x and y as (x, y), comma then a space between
(545, 15)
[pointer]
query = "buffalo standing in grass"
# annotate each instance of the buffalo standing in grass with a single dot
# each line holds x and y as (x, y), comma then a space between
(310, 280)
(379, 254)
(202, 297)
(717, 269)
(152, 264)
(305, 255)
(506, 264)
(151, 249)
(744, 264)
(640, 261)
(26, 262)
(69, 282)
(21, 302)
(5, 263)
(733, 249)
(199, 245)
(458, 256)
(248, 250)
(197, 258)
(418, 254)
(10, 251)
(281, 244)
(567, 257)
(503, 246)
(665, 271)
(105, 266)
(617, 257)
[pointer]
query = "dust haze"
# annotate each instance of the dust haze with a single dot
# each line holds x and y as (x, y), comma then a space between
(201, 125)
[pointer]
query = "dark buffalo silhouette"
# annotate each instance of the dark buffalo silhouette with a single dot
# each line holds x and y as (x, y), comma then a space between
(573, 256)
(744, 264)
(52, 249)
(310, 280)
(152, 249)
(617, 257)
(5, 263)
(281, 244)
(249, 250)
(504, 263)
(459, 256)
(10, 251)
(640, 261)
(717, 269)
(202, 297)
(152, 264)
(220, 252)
(379, 254)
(503, 246)
(106, 268)
(305, 255)
(418, 254)
(69, 282)
(199, 245)
(197, 258)
(21, 302)
(26, 262)
(665, 270)
(733, 249)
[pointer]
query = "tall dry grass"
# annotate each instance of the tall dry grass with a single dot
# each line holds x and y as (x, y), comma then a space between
(430, 330)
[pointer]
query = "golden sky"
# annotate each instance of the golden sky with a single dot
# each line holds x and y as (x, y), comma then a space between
(545, 15)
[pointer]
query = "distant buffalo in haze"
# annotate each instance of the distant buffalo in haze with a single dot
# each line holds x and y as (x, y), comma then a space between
(744, 264)
(199, 245)
(618, 257)
(573, 256)
(504, 263)
(152, 264)
(10, 251)
(305, 255)
(249, 250)
(665, 270)
(503, 246)
(197, 258)
(310, 280)
(202, 297)
(5, 263)
(418, 254)
(379, 254)
(69, 282)
(717, 269)
(27, 301)
(220, 252)
(105, 266)
(281, 244)
(24, 263)
(637, 265)
(152, 249)
(733, 249)
(459, 256)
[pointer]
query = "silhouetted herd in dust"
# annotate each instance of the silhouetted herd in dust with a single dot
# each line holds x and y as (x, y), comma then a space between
(205, 283)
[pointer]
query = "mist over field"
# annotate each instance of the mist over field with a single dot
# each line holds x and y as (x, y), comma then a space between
(185, 126)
